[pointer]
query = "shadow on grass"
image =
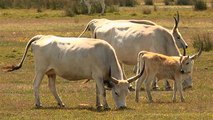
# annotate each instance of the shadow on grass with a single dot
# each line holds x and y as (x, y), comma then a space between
(89, 108)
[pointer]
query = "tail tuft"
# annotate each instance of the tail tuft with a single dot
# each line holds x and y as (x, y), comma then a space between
(10, 68)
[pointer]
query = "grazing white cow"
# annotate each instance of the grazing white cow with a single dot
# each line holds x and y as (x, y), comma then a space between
(164, 67)
(89, 3)
(75, 59)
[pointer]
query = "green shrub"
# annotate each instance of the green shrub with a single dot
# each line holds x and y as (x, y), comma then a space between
(112, 9)
(148, 2)
(128, 3)
(184, 2)
(204, 39)
(200, 5)
(169, 2)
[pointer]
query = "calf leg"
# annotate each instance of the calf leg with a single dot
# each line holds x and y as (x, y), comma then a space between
(138, 86)
(180, 89)
(37, 81)
(174, 92)
(53, 89)
(148, 82)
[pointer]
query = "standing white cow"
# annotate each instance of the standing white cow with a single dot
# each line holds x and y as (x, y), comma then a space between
(75, 59)
(89, 3)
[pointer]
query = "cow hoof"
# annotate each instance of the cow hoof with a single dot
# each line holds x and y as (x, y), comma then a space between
(122, 107)
(173, 101)
(137, 100)
(38, 106)
(142, 89)
(155, 88)
(182, 100)
(99, 108)
(168, 89)
(107, 108)
(61, 105)
(131, 88)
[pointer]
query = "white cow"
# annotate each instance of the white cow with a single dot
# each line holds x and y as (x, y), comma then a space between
(164, 67)
(89, 3)
(75, 59)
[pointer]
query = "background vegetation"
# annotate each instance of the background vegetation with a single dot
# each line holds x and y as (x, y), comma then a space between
(17, 26)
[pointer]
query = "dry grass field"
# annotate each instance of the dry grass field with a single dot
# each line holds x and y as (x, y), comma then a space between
(16, 93)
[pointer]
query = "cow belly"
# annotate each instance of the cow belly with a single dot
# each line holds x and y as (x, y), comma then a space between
(72, 73)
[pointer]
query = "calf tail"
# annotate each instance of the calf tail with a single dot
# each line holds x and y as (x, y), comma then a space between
(140, 61)
(16, 67)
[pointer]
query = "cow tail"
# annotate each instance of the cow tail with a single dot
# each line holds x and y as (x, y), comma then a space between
(16, 67)
(86, 28)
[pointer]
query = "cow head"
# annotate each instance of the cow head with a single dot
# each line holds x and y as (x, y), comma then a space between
(186, 67)
(120, 89)
(176, 34)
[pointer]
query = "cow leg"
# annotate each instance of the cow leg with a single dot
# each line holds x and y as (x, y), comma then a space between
(103, 7)
(148, 82)
(167, 85)
(37, 81)
(174, 92)
(88, 6)
(155, 85)
(98, 103)
(53, 89)
(102, 91)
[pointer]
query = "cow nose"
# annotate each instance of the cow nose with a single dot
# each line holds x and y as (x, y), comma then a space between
(182, 71)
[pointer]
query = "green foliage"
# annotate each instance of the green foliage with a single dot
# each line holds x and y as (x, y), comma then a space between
(204, 39)
(128, 3)
(112, 9)
(184, 2)
(200, 5)
(148, 2)
(169, 2)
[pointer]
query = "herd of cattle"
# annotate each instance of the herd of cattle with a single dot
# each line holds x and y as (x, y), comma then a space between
(152, 48)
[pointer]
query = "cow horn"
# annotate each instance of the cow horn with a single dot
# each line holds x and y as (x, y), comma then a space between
(177, 18)
(114, 80)
(132, 79)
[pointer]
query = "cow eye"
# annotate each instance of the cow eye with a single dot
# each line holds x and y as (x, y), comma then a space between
(116, 94)
(187, 63)
(178, 37)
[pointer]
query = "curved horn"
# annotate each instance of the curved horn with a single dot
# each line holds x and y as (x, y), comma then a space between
(200, 51)
(114, 80)
(132, 79)
(177, 18)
